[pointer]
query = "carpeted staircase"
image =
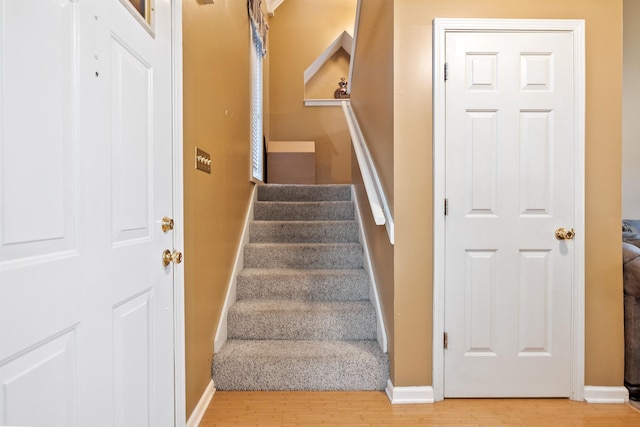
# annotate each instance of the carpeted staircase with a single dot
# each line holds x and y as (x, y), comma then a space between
(302, 319)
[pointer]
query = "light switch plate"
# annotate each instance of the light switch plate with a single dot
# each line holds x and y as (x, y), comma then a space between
(203, 160)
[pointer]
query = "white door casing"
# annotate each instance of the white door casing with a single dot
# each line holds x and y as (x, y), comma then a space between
(509, 295)
(86, 306)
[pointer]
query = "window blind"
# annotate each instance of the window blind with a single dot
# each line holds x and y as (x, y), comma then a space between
(257, 152)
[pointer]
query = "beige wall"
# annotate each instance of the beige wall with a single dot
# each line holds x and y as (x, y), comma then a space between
(412, 173)
(372, 103)
(216, 118)
(372, 86)
(631, 112)
(300, 31)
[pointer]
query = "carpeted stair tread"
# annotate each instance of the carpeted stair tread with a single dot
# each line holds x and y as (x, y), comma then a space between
(301, 320)
(300, 365)
(310, 285)
(303, 231)
(303, 255)
(303, 211)
(306, 193)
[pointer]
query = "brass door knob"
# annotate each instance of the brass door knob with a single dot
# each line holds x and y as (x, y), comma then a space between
(167, 224)
(168, 257)
(563, 234)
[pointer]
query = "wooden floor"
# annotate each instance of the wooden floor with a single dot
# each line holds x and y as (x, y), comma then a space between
(373, 409)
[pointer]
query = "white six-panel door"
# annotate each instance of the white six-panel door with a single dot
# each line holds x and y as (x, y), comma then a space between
(510, 184)
(86, 305)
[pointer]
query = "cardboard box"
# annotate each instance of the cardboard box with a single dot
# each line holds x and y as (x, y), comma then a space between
(291, 162)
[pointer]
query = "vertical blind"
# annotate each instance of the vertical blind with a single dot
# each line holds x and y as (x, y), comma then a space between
(259, 28)
(257, 151)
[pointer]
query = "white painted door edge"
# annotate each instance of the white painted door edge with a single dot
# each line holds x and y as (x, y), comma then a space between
(179, 359)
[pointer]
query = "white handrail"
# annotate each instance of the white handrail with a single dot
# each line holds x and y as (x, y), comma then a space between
(373, 187)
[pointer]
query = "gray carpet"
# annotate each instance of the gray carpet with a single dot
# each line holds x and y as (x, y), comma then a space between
(302, 319)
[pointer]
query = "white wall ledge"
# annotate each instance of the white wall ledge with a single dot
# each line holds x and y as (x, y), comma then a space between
(324, 102)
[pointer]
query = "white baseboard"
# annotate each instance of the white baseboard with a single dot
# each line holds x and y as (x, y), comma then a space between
(221, 332)
(201, 407)
(597, 394)
(381, 332)
(406, 395)
(424, 394)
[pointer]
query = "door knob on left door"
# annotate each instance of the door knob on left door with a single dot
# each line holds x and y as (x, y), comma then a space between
(168, 257)
(563, 234)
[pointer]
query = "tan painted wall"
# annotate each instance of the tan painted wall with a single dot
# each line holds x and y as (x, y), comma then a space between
(372, 103)
(631, 111)
(300, 31)
(412, 173)
(216, 119)
(372, 86)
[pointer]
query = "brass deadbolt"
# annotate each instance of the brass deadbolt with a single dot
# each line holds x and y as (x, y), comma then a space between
(167, 224)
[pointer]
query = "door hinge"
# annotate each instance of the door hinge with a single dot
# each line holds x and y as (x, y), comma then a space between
(446, 71)
(446, 206)
(446, 341)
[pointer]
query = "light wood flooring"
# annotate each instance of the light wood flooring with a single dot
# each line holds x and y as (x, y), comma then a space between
(235, 408)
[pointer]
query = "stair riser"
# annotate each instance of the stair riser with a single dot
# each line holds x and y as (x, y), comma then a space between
(311, 211)
(342, 256)
(304, 192)
(303, 365)
(303, 232)
(302, 326)
(345, 286)
(321, 375)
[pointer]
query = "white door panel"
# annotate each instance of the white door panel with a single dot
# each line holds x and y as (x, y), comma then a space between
(38, 216)
(44, 376)
(86, 305)
(509, 185)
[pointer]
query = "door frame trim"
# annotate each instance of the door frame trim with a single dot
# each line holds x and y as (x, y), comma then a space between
(440, 28)
(179, 359)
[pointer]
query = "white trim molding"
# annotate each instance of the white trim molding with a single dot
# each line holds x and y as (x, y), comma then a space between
(272, 5)
(356, 27)
(381, 332)
(380, 209)
(599, 394)
(230, 298)
(344, 40)
(440, 28)
(409, 395)
(201, 407)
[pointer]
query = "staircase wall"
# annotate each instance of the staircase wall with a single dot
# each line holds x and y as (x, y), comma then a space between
(216, 114)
